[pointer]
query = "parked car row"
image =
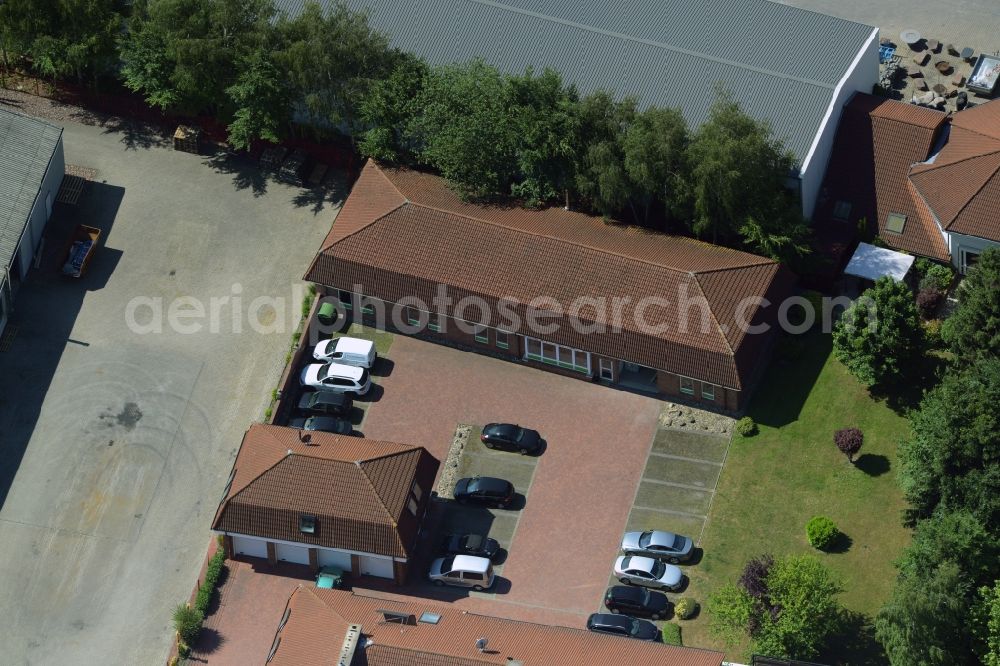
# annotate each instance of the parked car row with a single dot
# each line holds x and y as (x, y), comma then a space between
(329, 385)
(648, 562)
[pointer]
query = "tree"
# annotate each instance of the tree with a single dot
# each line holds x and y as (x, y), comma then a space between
(849, 441)
(986, 623)
(655, 151)
(738, 180)
(332, 57)
(601, 177)
(926, 619)
(793, 618)
(388, 107)
(185, 54)
(261, 101)
(467, 129)
(957, 536)
(879, 338)
(973, 330)
(952, 458)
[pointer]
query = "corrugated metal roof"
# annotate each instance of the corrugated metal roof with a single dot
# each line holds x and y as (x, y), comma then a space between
(26, 147)
(781, 63)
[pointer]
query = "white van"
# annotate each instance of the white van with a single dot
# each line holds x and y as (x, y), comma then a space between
(336, 377)
(349, 351)
(463, 571)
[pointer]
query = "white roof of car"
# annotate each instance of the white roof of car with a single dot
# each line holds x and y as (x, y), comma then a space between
(346, 371)
(354, 346)
(471, 563)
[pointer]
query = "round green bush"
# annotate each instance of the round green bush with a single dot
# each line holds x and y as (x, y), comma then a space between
(746, 427)
(671, 633)
(821, 532)
(686, 608)
(187, 623)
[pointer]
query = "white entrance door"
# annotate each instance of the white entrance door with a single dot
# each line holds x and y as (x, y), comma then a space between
(376, 566)
(334, 558)
(287, 553)
(249, 546)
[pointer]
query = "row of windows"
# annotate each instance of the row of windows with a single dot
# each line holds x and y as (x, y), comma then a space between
(558, 355)
(707, 390)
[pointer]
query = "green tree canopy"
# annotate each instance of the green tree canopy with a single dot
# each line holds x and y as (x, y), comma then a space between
(952, 459)
(655, 151)
(738, 180)
(260, 99)
(986, 618)
(879, 338)
(958, 536)
(973, 330)
(388, 108)
(926, 619)
(601, 177)
(798, 613)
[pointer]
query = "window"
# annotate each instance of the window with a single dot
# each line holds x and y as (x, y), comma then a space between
(708, 391)
(307, 524)
(368, 307)
(417, 491)
(607, 369)
(412, 317)
(503, 339)
(474, 575)
(434, 323)
(482, 335)
(895, 223)
(687, 386)
(841, 210)
(412, 506)
(969, 260)
(346, 298)
(553, 354)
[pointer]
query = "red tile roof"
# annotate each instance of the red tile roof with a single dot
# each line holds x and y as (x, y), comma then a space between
(357, 488)
(318, 621)
(402, 233)
(962, 184)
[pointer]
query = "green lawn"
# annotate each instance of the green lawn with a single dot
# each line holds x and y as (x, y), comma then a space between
(775, 481)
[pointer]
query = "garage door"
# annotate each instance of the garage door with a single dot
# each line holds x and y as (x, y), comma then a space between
(286, 553)
(334, 558)
(376, 566)
(250, 547)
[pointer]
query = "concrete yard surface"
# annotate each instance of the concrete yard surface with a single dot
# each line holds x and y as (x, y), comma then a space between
(117, 444)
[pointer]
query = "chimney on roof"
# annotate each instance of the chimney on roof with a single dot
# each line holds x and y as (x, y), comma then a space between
(566, 207)
(305, 438)
(481, 644)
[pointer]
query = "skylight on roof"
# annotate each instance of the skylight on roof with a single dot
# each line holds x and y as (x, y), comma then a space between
(841, 210)
(307, 524)
(428, 617)
(895, 223)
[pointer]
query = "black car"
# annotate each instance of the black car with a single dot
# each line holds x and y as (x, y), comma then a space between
(623, 625)
(479, 545)
(635, 600)
(325, 402)
(324, 424)
(510, 437)
(484, 490)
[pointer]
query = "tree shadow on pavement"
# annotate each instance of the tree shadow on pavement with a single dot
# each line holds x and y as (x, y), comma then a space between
(246, 174)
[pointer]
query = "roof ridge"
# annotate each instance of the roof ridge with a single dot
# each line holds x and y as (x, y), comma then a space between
(239, 492)
(986, 181)
(405, 201)
(378, 496)
(932, 166)
(650, 42)
(711, 313)
(972, 196)
(600, 250)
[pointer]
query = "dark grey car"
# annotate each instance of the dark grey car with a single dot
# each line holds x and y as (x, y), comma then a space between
(325, 402)
(623, 625)
(323, 424)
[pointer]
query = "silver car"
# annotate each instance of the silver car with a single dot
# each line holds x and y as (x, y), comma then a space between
(658, 544)
(645, 571)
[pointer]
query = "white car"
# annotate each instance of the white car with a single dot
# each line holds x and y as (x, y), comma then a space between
(336, 377)
(645, 571)
(462, 571)
(347, 351)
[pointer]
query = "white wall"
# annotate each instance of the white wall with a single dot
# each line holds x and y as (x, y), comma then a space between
(861, 77)
(39, 217)
(959, 242)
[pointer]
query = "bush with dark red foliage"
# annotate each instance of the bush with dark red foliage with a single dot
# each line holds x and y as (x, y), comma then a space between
(849, 441)
(928, 301)
(754, 578)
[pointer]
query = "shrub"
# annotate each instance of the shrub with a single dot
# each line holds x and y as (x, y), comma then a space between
(928, 301)
(937, 276)
(849, 441)
(672, 633)
(821, 532)
(207, 588)
(746, 427)
(932, 333)
(685, 609)
(187, 623)
(754, 577)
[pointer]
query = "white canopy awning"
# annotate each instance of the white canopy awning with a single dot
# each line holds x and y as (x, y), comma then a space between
(872, 262)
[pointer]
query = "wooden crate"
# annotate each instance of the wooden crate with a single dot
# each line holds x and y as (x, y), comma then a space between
(187, 139)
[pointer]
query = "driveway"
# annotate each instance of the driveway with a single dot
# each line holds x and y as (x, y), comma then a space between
(581, 490)
(116, 445)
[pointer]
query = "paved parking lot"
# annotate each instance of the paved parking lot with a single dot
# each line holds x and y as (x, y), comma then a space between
(116, 445)
(580, 492)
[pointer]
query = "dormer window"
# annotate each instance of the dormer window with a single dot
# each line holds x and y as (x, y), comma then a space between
(841, 210)
(895, 223)
(307, 524)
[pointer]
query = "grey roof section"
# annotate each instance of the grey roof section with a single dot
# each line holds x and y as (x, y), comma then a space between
(26, 147)
(781, 63)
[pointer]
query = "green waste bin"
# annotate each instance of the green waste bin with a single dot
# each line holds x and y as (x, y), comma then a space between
(327, 314)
